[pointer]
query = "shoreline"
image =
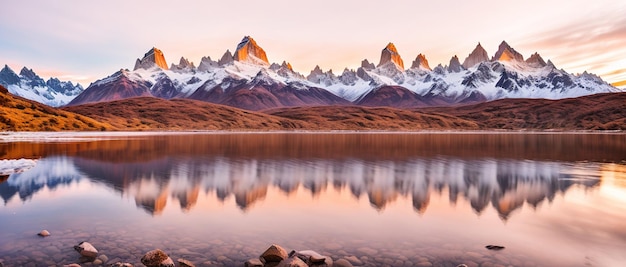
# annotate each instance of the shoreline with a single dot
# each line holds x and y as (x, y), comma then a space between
(69, 136)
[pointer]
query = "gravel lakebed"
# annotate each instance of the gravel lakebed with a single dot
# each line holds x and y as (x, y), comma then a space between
(29, 249)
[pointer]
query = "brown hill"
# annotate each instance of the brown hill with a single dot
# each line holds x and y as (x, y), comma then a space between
(117, 86)
(259, 95)
(593, 112)
(371, 118)
(400, 97)
(20, 114)
(150, 113)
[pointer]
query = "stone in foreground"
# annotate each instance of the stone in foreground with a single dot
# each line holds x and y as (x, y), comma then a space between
(253, 263)
(185, 263)
(86, 250)
(274, 253)
(342, 263)
(103, 258)
(157, 258)
(312, 258)
(122, 264)
(292, 262)
(44, 233)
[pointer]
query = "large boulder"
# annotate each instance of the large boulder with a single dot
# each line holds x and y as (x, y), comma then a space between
(274, 253)
(312, 258)
(86, 249)
(157, 258)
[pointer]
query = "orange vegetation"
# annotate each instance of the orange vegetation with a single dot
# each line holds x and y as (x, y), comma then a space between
(594, 112)
(20, 114)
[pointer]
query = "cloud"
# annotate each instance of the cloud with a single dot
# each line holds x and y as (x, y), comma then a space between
(596, 44)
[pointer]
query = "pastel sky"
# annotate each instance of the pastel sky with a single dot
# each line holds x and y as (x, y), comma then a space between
(86, 40)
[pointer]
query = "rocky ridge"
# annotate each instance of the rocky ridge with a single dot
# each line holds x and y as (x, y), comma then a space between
(28, 84)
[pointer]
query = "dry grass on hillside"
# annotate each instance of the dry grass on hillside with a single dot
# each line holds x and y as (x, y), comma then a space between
(367, 118)
(594, 112)
(149, 113)
(20, 114)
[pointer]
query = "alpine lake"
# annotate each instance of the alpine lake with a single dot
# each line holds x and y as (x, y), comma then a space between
(373, 198)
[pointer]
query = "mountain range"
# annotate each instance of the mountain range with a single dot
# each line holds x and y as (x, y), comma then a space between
(243, 91)
(28, 84)
(246, 79)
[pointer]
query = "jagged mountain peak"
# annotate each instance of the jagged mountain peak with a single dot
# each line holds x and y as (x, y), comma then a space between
(391, 47)
(249, 51)
(535, 60)
(317, 70)
(30, 85)
(507, 53)
(455, 64)
(226, 59)
(420, 62)
(286, 65)
(207, 63)
(8, 76)
(28, 73)
(184, 64)
(390, 54)
(367, 65)
(154, 57)
(478, 55)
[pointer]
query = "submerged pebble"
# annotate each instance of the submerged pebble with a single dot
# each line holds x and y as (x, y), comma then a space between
(342, 263)
(185, 263)
(44, 233)
(494, 247)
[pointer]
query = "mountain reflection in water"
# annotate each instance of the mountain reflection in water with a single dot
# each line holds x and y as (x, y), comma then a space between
(504, 184)
(501, 170)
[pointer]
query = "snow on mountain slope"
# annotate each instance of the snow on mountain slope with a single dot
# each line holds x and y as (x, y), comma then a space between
(29, 85)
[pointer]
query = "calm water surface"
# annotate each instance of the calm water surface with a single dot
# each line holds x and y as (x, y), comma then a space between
(387, 199)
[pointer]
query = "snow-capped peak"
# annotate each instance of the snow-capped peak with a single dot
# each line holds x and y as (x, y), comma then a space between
(29, 85)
